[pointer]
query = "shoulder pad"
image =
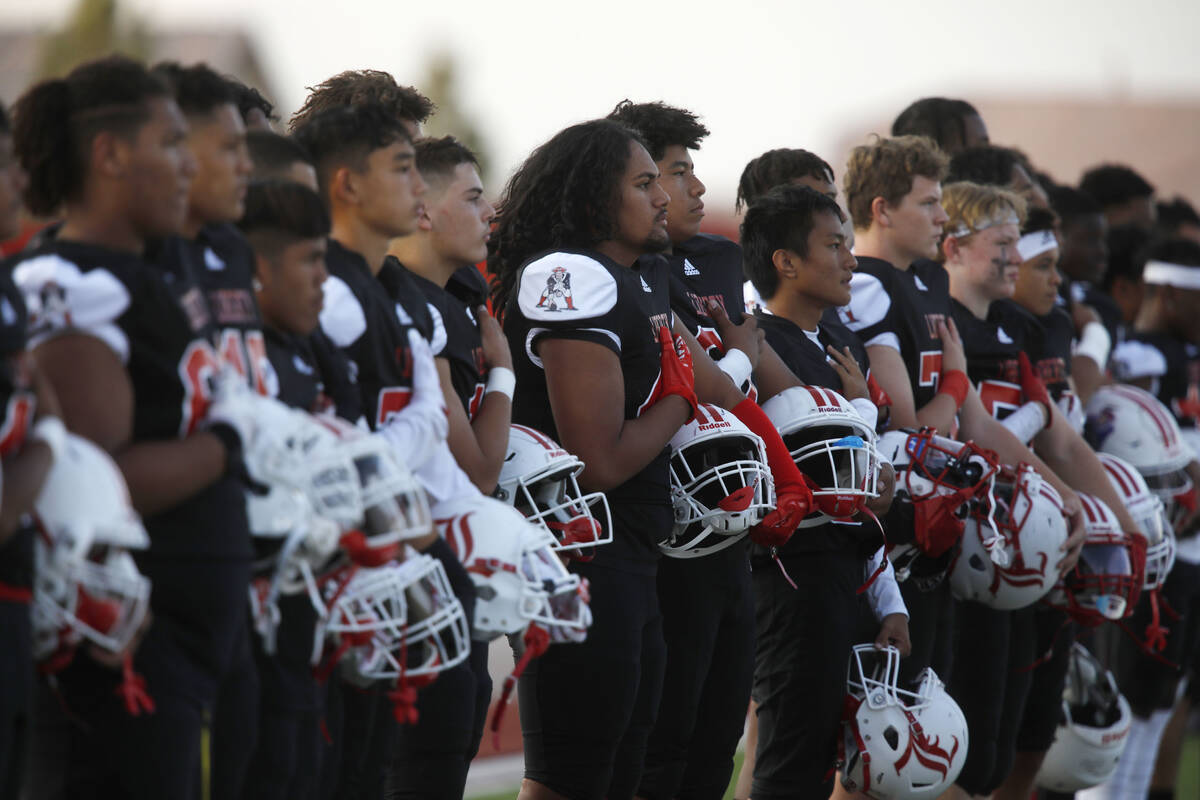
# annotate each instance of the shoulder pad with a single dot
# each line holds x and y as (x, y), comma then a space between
(437, 342)
(565, 286)
(342, 317)
(1133, 359)
(869, 302)
(60, 298)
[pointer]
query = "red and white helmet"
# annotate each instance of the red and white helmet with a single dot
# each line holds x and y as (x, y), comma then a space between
(1150, 515)
(86, 585)
(832, 446)
(1091, 737)
(720, 483)
(538, 479)
(401, 619)
(899, 744)
(945, 481)
(518, 577)
(1105, 584)
(1018, 569)
(1132, 424)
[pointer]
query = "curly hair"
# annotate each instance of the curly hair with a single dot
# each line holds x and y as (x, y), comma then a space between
(775, 168)
(782, 219)
(886, 168)
(566, 194)
(55, 121)
(660, 125)
(355, 87)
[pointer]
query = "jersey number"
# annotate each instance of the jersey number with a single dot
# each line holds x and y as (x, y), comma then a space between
(244, 351)
(1000, 398)
(391, 401)
(931, 368)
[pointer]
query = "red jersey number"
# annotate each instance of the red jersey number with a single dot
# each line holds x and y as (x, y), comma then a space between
(931, 368)
(245, 351)
(1000, 398)
(391, 401)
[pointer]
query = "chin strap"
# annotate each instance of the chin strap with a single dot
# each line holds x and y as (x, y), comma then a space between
(883, 562)
(363, 553)
(132, 690)
(537, 640)
(404, 696)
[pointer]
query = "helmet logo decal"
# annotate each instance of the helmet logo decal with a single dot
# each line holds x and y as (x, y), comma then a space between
(557, 291)
(927, 751)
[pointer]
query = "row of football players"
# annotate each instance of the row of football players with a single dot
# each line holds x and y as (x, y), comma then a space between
(553, 298)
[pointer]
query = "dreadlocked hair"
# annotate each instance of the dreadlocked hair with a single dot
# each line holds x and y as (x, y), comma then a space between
(566, 194)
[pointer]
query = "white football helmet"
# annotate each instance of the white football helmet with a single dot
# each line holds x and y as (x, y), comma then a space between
(832, 445)
(899, 744)
(1091, 737)
(1150, 515)
(945, 482)
(720, 484)
(1104, 584)
(518, 577)
(86, 584)
(401, 619)
(1021, 570)
(538, 479)
(1132, 424)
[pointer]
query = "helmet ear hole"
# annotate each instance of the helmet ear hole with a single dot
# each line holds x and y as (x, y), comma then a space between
(892, 737)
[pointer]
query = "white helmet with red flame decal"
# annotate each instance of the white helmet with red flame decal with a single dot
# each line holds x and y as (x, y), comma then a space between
(899, 744)
(518, 577)
(1017, 569)
(1150, 515)
(86, 585)
(1106, 583)
(832, 445)
(538, 479)
(1094, 729)
(720, 483)
(1132, 424)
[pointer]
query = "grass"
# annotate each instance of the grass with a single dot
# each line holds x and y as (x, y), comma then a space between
(1187, 789)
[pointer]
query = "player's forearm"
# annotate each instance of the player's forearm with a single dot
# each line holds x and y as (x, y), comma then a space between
(772, 376)
(163, 474)
(490, 428)
(938, 413)
(1066, 452)
(637, 444)
(24, 475)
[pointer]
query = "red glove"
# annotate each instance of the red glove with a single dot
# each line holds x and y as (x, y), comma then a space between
(793, 498)
(1032, 386)
(675, 376)
(791, 507)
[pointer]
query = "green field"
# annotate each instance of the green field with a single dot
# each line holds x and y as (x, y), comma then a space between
(1188, 789)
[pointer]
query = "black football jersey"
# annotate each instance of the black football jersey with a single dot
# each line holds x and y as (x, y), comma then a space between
(1105, 307)
(1047, 340)
(583, 295)
(900, 309)
(312, 374)
(469, 285)
(456, 338)
(174, 325)
(369, 318)
(992, 364)
(17, 407)
(1173, 365)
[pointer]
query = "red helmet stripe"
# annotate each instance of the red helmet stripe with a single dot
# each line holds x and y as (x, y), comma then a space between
(1125, 482)
(541, 438)
(1166, 425)
(818, 395)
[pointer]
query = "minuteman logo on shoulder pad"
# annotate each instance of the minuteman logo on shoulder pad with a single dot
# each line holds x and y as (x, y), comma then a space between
(564, 286)
(557, 296)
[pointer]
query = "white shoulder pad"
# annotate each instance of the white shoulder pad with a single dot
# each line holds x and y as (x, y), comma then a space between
(342, 317)
(751, 297)
(869, 302)
(1133, 359)
(62, 299)
(565, 286)
(438, 343)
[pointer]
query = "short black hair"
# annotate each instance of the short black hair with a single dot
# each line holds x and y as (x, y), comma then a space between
(776, 168)
(199, 90)
(660, 125)
(280, 213)
(937, 118)
(274, 154)
(437, 158)
(355, 87)
(1114, 184)
(1070, 204)
(782, 218)
(248, 98)
(5, 122)
(1125, 259)
(1175, 213)
(344, 136)
(1173, 250)
(985, 164)
(1039, 219)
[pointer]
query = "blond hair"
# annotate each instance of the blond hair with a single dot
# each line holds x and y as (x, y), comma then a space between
(972, 207)
(886, 168)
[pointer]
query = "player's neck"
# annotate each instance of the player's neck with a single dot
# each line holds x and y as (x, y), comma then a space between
(1150, 318)
(970, 296)
(875, 243)
(351, 233)
(797, 308)
(416, 252)
(192, 227)
(618, 251)
(95, 226)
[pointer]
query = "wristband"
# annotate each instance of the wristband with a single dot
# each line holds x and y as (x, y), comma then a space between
(501, 379)
(51, 432)
(736, 365)
(955, 384)
(1094, 343)
(232, 443)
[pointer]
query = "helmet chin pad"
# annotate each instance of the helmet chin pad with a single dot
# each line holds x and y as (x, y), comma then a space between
(936, 522)
(363, 553)
(839, 506)
(99, 615)
(580, 530)
(739, 500)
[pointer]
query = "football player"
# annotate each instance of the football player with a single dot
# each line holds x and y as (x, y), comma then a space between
(1083, 258)
(796, 254)
(611, 351)
(982, 260)
(953, 124)
(107, 144)
(354, 87)
(217, 257)
(1123, 195)
(277, 157)
(998, 166)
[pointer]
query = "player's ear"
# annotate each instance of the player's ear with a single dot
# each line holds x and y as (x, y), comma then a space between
(879, 212)
(424, 221)
(950, 247)
(786, 263)
(262, 273)
(343, 189)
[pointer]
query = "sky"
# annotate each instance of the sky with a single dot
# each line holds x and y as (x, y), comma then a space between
(761, 74)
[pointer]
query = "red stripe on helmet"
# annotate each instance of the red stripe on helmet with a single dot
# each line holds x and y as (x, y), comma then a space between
(539, 437)
(1166, 425)
(818, 396)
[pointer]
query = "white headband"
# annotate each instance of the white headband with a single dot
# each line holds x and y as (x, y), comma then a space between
(964, 230)
(1164, 273)
(1032, 245)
